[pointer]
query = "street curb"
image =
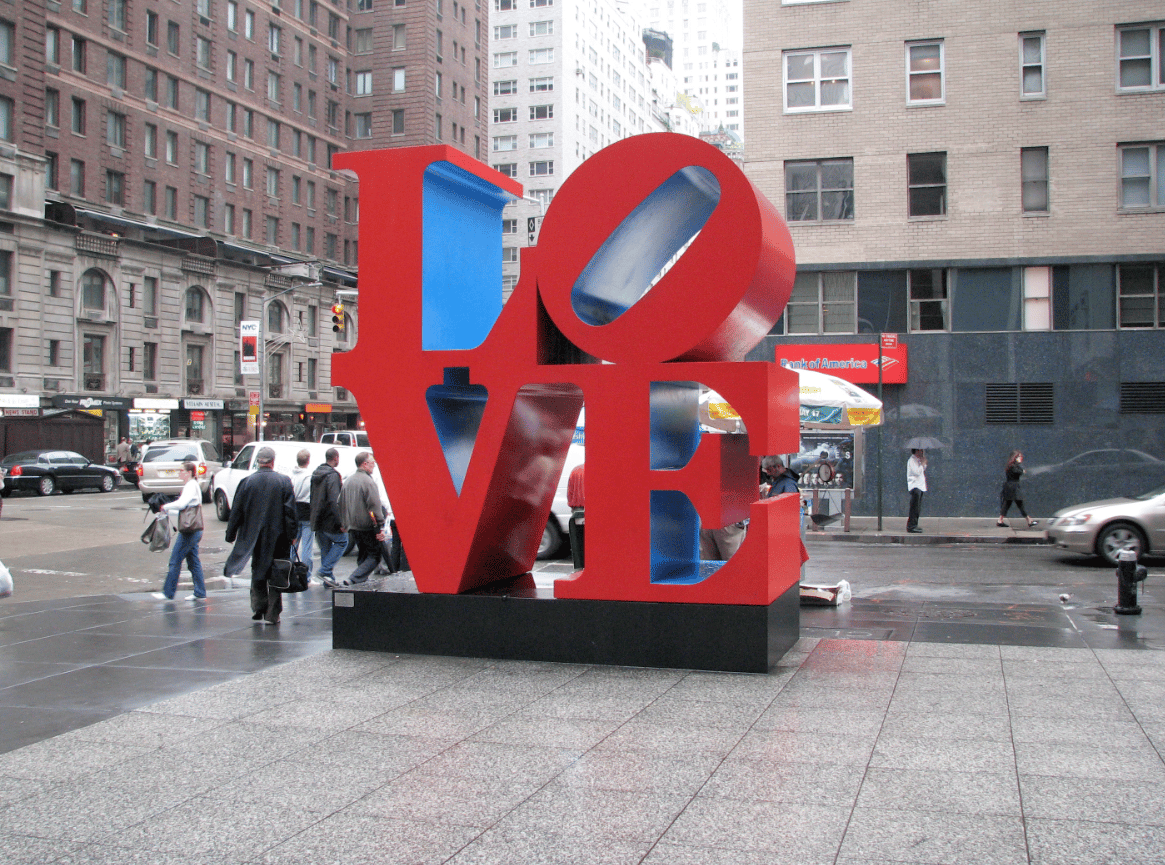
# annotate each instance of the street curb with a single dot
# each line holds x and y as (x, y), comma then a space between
(924, 540)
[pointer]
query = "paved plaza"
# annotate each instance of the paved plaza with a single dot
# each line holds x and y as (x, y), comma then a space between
(851, 752)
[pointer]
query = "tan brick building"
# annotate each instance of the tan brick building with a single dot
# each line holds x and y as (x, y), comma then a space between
(987, 180)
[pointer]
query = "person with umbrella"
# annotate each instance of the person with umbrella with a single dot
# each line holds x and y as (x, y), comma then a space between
(916, 485)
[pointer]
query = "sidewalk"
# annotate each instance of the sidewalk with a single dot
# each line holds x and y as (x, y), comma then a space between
(935, 530)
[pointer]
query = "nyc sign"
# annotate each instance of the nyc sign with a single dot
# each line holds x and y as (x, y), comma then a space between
(472, 405)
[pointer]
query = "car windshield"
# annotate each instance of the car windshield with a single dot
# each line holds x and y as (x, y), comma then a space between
(1151, 494)
(24, 457)
(170, 453)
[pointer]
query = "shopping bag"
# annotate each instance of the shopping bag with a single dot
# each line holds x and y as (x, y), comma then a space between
(157, 533)
(5, 582)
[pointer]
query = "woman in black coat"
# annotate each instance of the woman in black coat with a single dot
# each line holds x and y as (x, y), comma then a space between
(1011, 492)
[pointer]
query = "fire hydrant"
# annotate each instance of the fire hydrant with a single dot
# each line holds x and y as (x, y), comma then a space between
(1128, 574)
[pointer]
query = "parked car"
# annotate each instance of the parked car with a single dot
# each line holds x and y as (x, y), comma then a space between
(45, 471)
(226, 481)
(158, 469)
(352, 438)
(1106, 527)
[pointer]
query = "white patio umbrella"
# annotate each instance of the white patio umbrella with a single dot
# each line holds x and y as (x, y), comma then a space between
(825, 399)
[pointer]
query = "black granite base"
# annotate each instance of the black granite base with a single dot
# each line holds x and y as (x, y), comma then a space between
(532, 626)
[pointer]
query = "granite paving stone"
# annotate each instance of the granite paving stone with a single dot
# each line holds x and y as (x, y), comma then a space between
(503, 846)
(25, 850)
(1026, 728)
(494, 759)
(605, 770)
(1081, 842)
(1128, 760)
(82, 811)
(665, 853)
(809, 719)
(956, 792)
(793, 830)
(454, 804)
(670, 740)
(952, 650)
(1104, 800)
(16, 789)
(834, 784)
(944, 755)
(366, 839)
(103, 854)
(958, 666)
(927, 836)
(578, 734)
(596, 814)
(788, 746)
(944, 725)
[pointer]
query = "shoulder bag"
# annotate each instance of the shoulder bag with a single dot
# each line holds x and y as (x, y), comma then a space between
(190, 520)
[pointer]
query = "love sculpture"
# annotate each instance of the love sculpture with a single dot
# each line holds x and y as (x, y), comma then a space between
(471, 406)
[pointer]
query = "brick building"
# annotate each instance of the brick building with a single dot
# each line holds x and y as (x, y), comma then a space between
(988, 181)
(165, 172)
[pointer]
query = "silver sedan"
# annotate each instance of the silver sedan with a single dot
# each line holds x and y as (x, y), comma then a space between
(1104, 528)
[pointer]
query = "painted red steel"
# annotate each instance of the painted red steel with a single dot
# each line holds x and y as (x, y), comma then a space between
(540, 362)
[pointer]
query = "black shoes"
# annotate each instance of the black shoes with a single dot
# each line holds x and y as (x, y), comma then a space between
(257, 616)
(914, 530)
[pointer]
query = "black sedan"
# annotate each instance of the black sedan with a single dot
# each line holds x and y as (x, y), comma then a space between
(46, 471)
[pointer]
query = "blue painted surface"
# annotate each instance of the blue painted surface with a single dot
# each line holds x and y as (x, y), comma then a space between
(461, 258)
(457, 408)
(621, 271)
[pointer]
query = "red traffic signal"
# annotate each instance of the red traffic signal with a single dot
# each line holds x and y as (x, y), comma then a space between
(337, 317)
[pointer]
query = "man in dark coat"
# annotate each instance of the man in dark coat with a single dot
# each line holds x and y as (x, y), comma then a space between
(325, 515)
(263, 526)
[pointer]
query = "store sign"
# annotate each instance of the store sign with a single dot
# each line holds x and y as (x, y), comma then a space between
(248, 348)
(19, 400)
(203, 404)
(19, 412)
(197, 416)
(155, 404)
(856, 362)
(91, 403)
(317, 407)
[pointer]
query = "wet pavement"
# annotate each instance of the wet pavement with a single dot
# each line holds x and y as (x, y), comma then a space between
(904, 727)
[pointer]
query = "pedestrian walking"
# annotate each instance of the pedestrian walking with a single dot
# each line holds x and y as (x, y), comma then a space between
(916, 485)
(187, 510)
(362, 513)
(576, 499)
(325, 515)
(122, 452)
(263, 527)
(301, 483)
(1012, 492)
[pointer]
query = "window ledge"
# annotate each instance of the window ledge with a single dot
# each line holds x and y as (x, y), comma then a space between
(932, 103)
(832, 109)
(1130, 211)
(942, 217)
(1036, 214)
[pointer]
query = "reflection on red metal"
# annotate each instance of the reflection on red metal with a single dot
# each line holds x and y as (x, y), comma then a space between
(472, 436)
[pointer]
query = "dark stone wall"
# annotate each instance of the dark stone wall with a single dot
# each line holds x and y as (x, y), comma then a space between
(1091, 451)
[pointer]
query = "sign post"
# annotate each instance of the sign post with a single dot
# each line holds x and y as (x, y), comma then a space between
(887, 341)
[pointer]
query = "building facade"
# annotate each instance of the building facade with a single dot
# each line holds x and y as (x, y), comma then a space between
(566, 81)
(988, 182)
(165, 173)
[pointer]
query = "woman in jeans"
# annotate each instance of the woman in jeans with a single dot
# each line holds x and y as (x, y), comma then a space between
(185, 543)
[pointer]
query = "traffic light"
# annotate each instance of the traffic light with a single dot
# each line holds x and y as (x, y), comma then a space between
(337, 317)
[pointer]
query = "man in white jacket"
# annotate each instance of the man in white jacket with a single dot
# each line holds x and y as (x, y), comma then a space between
(916, 484)
(301, 483)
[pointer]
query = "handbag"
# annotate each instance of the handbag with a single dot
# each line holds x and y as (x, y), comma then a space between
(288, 575)
(190, 520)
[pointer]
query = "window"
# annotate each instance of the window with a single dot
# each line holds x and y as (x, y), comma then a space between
(1037, 298)
(150, 85)
(364, 83)
(398, 37)
(115, 70)
(504, 5)
(541, 112)
(542, 139)
(115, 188)
(1142, 303)
(232, 66)
(248, 173)
(273, 182)
(228, 219)
(172, 148)
(150, 197)
(274, 38)
(398, 121)
(52, 108)
(1142, 176)
(819, 190)
(817, 80)
(202, 157)
(437, 126)
(505, 88)
(1034, 169)
(249, 25)
(506, 31)
(6, 191)
(924, 73)
(173, 37)
(333, 70)
(150, 361)
(115, 14)
(538, 4)
(541, 28)
(249, 74)
(509, 226)
(202, 106)
(150, 136)
(79, 46)
(823, 303)
(398, 79)
(544, 196)
(273, 133)
(247, 219)
(93, 290)
(928, 299)
(505, 59)
(52, 168)
(1140, 53)
(202, 52)
(505, 142)
(171, 92)
(927, 184)
(273, 236)
(55, 352)
(195, 304)
(6, 349)
(171, 203)
(6, 273)
(1031, 66)
(440, 45)
(233, 16)
(509, 169)
(52, 46)
(363, 43)
(541, 55)
(505, 115)
(78, 116)
(542, 85)
(509, 255)
(273, 84)
(542, 169)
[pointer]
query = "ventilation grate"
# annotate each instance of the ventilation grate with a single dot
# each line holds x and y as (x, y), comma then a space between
(1143, 397)
(1026, 403)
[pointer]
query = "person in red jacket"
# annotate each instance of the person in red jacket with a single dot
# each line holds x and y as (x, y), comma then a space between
(577, 501)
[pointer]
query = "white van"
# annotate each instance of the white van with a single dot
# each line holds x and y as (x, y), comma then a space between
(226, 481)
(352, 438)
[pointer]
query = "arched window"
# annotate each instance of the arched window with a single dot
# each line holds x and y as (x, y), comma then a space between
(276, 317)
(93, 290)
(196, 305)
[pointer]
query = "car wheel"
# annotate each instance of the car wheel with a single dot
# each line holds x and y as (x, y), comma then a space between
(1118, 537)
(221, 509)
(46, 486)
(107, 484)
(551, 540)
